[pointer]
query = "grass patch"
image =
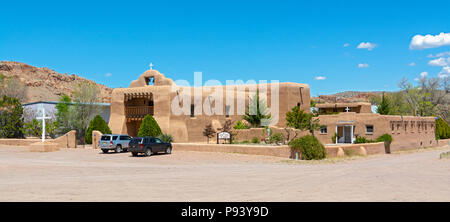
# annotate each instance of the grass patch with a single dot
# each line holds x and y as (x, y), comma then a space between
(445, 155)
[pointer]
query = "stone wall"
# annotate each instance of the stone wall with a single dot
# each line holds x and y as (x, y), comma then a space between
(261, 133)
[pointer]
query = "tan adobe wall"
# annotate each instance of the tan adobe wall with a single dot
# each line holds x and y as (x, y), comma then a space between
(67, 140)
(261, 133)
(412, 137)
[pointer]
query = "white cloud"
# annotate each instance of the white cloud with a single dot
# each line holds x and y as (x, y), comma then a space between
(366, 45)
(320, 78)
(422, 75)
(430, 41)
(108, 74)
(439, 62)
(442, 54)
(346, 45)
(445, 72)
(363, 65)
(412, 64)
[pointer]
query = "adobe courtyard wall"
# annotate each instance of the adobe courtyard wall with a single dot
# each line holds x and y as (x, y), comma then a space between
(261, 133)
(67, 140)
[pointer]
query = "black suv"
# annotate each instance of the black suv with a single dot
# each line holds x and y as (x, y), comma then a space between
(148, 146)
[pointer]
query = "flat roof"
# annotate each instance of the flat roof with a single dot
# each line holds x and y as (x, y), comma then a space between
(54, 103)
(341, 105)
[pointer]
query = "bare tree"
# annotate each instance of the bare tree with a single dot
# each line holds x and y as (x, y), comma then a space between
(85, 97)
(12, 87)
(208, 132)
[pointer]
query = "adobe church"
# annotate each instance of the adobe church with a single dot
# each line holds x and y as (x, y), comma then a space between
(152, 93)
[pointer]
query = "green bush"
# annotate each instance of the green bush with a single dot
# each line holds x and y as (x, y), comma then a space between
(333, 138)
(96, 124)
(310, 147)
(149, 127)
(240, 125)
(255, 140)
(361, 139)
(167, 138)
(11, 118)
(442, 129)
(276, 138)
(385, 138)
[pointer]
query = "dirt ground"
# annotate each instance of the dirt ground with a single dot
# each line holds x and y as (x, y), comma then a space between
(88, 175)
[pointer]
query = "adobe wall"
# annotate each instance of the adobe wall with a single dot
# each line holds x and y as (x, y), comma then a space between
(278, 151)
(261, 133)
(403, 138)
(67, 140)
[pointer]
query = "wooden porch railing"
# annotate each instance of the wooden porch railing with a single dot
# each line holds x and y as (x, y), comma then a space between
(138, 111)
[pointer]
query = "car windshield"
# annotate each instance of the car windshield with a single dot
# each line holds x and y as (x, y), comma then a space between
(105, 138)
(136, 140)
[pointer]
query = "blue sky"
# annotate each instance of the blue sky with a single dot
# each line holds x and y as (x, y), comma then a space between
(290, 41)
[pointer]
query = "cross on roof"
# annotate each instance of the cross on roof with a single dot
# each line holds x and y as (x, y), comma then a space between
(151, 65)
(347, 109)
(43, 118)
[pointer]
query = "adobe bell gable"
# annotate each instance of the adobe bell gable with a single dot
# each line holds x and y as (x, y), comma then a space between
(156, 78)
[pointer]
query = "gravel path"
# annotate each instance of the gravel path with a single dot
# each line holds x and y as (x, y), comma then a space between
(88, 175)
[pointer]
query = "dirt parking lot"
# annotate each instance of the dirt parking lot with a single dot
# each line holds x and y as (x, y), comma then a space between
(88, 175)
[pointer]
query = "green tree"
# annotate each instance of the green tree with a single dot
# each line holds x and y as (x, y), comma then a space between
(33, 128)
(384, 107)
(257, 112)
(149, 127)
(11, 118)
(442, 129)
(96, 124)
(62, 122)
(298, 119)
(240, 125)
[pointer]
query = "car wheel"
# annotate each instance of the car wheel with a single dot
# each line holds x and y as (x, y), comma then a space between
(134, 154)
(105, 151)
(168, 150)
(118, 148)
(148, 152)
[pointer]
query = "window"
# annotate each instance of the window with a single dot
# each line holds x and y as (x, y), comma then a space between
(392, 127)
(123, 137)
(157, 140)
(323, 130)
(227, 111)
(369, 129)
(114, 138)
(192, 110)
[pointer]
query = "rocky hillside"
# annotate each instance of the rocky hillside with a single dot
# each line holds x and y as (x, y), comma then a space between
(44, 84)
(346, 97)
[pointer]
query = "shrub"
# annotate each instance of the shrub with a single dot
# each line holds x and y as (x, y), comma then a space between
(167, 138)
(442, 129)
(309, 146)
(240, 125)
(11, 118)
(149, 127)
(96, 124)
(276, 138)
(385, 138)
(255, 140)
(361, 139)
(333, 138)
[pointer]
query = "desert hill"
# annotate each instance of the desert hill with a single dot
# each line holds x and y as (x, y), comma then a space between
(44, 84)
(346, 97)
